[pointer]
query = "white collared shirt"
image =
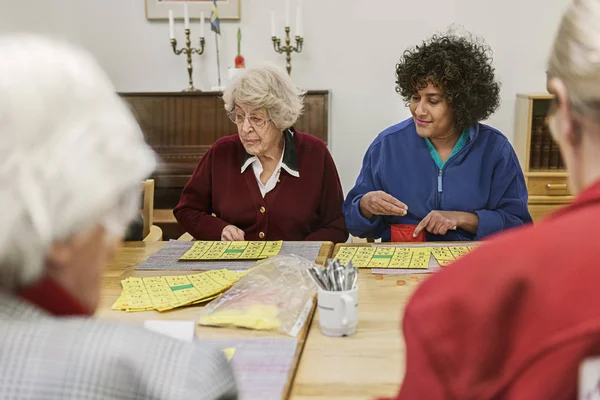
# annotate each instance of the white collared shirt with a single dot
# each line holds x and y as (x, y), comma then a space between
(274, 178)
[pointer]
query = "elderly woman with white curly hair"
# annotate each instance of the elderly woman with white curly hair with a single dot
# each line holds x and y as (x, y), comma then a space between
(72, 161)
(269, 182)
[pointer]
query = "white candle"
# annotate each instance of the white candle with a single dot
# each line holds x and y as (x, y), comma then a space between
(299, 21)
(186, 16)
(287, 13)
(171, 25)
(202, 24)
(273, 29)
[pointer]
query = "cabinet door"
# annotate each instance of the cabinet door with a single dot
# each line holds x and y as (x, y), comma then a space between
(548, 186)
(539, 211)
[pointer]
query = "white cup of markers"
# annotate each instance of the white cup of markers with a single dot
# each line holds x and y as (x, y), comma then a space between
(337, 298)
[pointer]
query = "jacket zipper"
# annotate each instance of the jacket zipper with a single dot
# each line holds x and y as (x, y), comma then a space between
(440, 186)
(439, 189)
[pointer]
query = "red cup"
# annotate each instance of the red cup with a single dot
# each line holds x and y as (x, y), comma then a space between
(404, 233)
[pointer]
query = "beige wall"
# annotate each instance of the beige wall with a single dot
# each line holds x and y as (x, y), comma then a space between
(351, 49)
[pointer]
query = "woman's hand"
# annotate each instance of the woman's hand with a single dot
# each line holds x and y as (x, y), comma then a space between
(381, 203)
(232, 233)
(440, 222)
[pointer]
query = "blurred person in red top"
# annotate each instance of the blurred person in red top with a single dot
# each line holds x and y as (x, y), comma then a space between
(520, 316)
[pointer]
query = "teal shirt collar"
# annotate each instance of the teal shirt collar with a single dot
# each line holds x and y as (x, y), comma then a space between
(462, 142)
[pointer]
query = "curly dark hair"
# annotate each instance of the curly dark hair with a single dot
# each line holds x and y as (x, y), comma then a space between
(461, 67)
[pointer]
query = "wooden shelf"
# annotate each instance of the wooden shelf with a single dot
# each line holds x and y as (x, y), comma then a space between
(541, 200)
(547, 174)
(548, 188)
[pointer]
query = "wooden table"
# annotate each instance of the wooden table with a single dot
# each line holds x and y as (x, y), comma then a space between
(363, 366)
(369, 363)
(134, 253)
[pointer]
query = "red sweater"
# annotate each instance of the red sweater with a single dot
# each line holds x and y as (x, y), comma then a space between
(514, 319)
(308, 207)
(49, 295)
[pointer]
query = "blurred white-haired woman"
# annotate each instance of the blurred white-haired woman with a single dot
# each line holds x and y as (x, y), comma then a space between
(72, 159)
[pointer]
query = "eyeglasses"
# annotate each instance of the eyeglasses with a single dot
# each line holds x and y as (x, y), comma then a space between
(239, 118)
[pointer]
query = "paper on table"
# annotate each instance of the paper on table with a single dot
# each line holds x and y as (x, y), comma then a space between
(441, 250)
(134, 296)
(385, 257)
(399, 257)
(205, 250)
(167, 258)
(182, 330)
(164, 293)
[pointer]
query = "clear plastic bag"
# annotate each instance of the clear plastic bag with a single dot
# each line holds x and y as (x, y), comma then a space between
(276, 294)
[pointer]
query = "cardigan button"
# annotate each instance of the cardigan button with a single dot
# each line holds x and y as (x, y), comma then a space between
(262, 210)
(261, 235)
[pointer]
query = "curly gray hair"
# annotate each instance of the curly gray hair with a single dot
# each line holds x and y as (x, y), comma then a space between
(269, 88)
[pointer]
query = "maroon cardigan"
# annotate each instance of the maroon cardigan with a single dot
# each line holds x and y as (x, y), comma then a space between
(308, 207)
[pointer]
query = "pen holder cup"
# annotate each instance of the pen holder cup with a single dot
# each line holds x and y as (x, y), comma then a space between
(338, 312)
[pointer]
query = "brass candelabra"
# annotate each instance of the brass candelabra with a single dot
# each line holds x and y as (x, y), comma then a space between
(188, 50)
(288, 49)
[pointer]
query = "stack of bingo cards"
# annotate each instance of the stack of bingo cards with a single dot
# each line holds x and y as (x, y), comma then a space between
(164, 293)
(207, 251)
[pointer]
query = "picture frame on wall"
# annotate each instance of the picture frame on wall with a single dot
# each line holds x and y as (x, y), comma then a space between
(159, 9)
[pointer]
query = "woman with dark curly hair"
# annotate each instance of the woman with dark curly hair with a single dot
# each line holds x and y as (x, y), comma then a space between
(440, 175)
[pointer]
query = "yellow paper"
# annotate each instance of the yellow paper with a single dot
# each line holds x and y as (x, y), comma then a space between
(160, 293)
(382, 257)
(229, 353)
(385, 257)
(444, 263)
(363, 256)
(459, 251)
(401, 258)
(420, 257)
(120, 304)
(253, 250)
(271, 249)
(135, 294)
(164, 293)
(443, 255)
(199, 249)
(257, 250)
(447, 255)
(213, 283)
(345, 254)
(258, 316)
(206, 299)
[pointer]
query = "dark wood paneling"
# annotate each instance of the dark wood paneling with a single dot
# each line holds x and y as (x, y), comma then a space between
(181, 127)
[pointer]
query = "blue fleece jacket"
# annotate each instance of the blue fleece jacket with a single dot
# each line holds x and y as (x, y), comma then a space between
(483, 178)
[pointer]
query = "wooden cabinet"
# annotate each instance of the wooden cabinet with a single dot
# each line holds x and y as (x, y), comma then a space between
(548, 185)
(545, 175)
